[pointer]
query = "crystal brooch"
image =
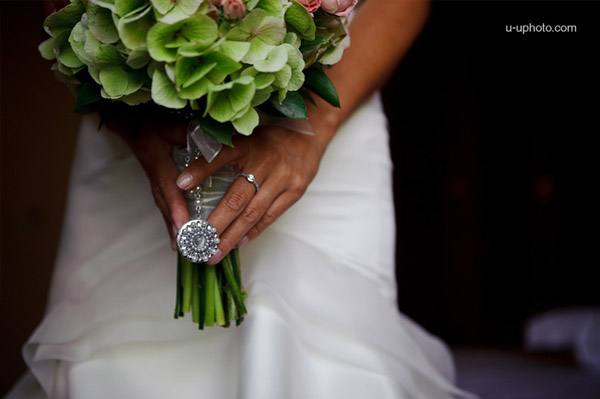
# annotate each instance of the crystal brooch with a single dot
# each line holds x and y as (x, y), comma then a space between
(197, 241)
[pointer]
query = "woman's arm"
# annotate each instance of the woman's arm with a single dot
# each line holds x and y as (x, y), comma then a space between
(381, 34)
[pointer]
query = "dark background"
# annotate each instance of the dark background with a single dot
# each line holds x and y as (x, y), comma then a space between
(493, 139)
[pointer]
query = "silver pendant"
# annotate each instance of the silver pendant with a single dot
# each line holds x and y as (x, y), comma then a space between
(197, 241)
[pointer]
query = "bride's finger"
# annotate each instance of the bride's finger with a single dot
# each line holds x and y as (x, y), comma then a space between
(160, 203)
(176, 207)
(200, 170)
(277, 208)
(236, 199)
(251, 214)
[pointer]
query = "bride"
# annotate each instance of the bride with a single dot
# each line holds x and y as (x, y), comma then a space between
(317, 242)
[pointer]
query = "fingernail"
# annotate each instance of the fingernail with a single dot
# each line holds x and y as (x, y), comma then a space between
(184, 181)
(216, 257)
(243, 241)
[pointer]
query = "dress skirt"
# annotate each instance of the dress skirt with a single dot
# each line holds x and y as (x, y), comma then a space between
(322, 321)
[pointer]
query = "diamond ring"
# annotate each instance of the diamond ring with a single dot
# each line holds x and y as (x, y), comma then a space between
(250, 178)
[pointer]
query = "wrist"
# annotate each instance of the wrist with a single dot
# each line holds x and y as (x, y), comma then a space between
(325, 121)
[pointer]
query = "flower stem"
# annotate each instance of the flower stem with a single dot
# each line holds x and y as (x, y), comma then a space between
(236, 292)
(210, 282)
(200, 292)
(195, 294)
(219, 312)
(179, 296)
(186, 275)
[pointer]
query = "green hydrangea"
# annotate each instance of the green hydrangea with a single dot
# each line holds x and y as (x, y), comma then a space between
(185, 53)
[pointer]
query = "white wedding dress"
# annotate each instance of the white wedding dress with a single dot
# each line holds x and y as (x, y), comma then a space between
(322, 322)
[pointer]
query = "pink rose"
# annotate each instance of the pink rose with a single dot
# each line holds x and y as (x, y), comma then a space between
(311, 5)
(341, 8)
(233, 9)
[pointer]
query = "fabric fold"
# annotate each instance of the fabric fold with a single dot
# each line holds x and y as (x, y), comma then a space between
(322, 319)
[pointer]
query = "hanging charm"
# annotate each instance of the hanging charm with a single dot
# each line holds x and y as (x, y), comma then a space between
(197, 240)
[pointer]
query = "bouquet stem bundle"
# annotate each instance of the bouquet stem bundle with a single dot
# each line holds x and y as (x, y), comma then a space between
(212, 294)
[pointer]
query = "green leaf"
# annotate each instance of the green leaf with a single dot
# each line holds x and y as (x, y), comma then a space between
(164, 92)
(88, 94)
(309, 45)
(108, 4)
(64, 70)
(163, 39)
(292, 106)
(94, 73)
(234, 50)
(296, 62)
(263, 80)
(107, 54)
(222, 132)
(261, 96)
(226, 100)
(138, 59)
(68, 58)
(271, 7)
(241, 95)
(118, 81)
(101, 24)
(195, 90)
(159, 36)
(271, 30)
(163, 6)
(220, 108)
(297, 80)
(247, 122)
(64, 19)
(77, 40)
(124, 7)
(182, 9)
(46, 49)
(282, 94)
(320, 84)
(258, 24)
(293, 39)
(282, 78)
(133, 31)
(275, 60)
(190, 70)
(200, 30)
(334, 54)
(258, 51)
(297, 17)
(139, 97)
(188, 6)
(250, 4)
(225, 66)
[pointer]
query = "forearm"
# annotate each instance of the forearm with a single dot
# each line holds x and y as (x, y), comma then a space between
(381, 34)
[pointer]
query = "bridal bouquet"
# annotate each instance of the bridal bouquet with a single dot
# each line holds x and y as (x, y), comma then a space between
(226, 65)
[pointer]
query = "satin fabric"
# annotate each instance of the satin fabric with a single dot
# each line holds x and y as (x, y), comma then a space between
(322, 319)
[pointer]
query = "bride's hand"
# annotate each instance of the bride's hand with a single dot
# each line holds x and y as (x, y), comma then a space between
(153, 146)
(284, 163)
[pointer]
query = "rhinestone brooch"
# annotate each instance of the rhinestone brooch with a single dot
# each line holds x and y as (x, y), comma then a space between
(197, 240)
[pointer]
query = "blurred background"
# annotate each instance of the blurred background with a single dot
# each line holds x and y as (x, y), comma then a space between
(492, 136)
